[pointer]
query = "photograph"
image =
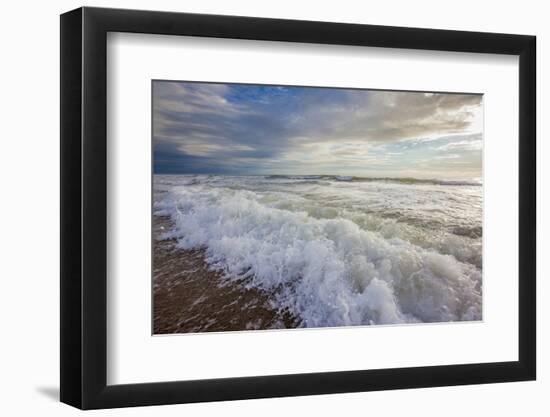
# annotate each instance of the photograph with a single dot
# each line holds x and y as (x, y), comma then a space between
(295, 207)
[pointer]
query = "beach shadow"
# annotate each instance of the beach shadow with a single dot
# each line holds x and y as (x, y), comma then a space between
(50, 392)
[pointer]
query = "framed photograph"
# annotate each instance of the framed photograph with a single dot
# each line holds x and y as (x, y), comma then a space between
(258, 208)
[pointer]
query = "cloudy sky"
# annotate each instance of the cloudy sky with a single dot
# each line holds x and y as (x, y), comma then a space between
(238, 129)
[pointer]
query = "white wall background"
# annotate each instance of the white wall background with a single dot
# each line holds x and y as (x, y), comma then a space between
(29, 225)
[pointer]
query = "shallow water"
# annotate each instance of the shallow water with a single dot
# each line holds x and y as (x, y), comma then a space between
(337, 250)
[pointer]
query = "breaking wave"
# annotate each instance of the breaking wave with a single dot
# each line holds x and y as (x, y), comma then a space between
(329, 268)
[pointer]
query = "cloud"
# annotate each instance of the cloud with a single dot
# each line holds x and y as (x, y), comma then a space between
(382, 116)
(464, 145)
(256, 129)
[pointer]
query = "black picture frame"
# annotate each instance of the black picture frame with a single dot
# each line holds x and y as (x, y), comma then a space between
(84, 207)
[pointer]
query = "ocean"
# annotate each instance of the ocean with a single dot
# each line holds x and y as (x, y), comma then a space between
(335, 250)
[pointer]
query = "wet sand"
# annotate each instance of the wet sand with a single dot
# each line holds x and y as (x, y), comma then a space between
(189, 297)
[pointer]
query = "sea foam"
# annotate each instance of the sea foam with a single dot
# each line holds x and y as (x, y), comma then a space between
(326, 271)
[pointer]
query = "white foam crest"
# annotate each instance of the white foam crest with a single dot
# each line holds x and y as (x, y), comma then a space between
(328, 272)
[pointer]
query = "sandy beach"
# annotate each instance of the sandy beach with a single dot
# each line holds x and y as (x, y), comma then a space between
(189, 297)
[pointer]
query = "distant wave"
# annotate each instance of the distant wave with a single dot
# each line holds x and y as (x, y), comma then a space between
(346, 178)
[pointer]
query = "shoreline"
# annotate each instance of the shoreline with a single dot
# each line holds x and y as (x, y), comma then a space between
(190, 297)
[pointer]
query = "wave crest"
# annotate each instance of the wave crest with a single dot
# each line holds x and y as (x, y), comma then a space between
(328, 272)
